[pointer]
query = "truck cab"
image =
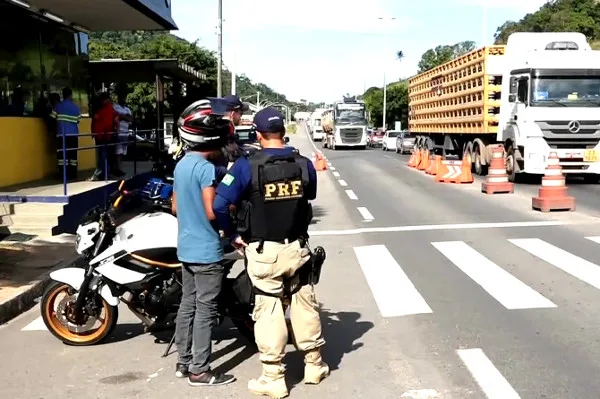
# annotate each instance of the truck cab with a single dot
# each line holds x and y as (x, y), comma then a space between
(552, 103)
(346, 125)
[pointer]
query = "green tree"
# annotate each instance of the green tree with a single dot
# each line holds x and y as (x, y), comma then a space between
(557, 16)
(156, 45)
(396, 103)
(442, 54)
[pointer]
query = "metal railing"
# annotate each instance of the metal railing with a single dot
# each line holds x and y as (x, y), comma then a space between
(134, 138)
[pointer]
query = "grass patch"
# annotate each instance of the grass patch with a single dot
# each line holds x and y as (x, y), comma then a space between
(291, 128)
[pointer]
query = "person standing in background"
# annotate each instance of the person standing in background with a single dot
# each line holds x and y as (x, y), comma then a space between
(104, 125)
(67, 116)
(125, 120)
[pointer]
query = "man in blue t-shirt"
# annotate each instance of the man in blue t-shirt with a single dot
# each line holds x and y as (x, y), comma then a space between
(271, 261)
(199, 249)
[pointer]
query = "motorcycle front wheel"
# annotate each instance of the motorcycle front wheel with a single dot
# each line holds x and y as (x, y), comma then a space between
(93, 324)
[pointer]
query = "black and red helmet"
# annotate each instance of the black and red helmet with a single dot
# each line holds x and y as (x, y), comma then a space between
(198, 126)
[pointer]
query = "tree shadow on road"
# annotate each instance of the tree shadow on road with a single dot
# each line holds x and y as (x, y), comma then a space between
(341, 331)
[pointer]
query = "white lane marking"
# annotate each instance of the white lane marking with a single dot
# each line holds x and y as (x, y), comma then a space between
(511, 292)
(574, 265)
(421, 394)
(336, 174)
(367, 216)
(490, 380)
(330, 167)
(433, 227)
(343, 183)
(36, 325)
(309, 138)
(393, 291)
(351, 195)
(596, 239)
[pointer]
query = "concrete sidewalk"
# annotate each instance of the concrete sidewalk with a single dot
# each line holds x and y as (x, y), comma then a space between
(24, 270)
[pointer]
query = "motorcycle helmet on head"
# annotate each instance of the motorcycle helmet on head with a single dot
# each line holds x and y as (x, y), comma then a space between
(201, 125)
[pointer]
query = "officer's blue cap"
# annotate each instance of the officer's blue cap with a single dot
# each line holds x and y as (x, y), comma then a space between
(233, 103)
(218, 106)
(269, 120)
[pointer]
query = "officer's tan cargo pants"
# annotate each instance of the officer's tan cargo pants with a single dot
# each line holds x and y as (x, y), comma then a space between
(267, 271)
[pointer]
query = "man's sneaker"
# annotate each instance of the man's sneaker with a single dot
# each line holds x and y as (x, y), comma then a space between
(181, 370)
(210, 378)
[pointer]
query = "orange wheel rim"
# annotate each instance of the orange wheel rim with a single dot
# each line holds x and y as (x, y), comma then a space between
(63, 331)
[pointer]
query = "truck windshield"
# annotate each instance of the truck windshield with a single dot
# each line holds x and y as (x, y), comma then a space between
(350, 116)
(565, 91)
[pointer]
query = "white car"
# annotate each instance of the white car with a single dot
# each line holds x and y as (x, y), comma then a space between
(388, 142)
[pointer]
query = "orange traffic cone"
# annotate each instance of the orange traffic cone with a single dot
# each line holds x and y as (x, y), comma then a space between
(497, 179)
(411, 160)
(553, 193)
(448, 171)
(465, 176)
(417, 159)
(431, 165)
(435, 165)
(425, 161)
(320, 163)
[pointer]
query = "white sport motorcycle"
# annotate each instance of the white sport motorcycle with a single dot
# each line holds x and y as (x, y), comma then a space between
(134, 262)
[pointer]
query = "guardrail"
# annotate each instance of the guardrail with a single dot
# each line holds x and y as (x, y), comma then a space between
(134, 138)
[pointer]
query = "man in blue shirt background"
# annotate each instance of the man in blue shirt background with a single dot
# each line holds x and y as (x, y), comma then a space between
(271, 261)
(67, 117)
(200, 250)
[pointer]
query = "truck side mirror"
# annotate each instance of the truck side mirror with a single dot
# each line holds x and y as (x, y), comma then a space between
(514, 83)
(512, 98)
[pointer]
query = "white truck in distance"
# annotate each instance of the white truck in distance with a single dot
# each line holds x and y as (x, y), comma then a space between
(538, 94)
(345, 125)
(315, 124)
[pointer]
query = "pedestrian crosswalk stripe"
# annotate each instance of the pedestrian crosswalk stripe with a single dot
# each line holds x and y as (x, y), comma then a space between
(511, 292)
(488, 377)
(393, 291)
(596, 239)
(574, 265)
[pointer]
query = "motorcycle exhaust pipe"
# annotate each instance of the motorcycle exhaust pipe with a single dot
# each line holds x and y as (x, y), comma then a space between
(148, 322)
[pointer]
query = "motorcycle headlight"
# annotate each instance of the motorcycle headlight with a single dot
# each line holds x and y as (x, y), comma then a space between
(77, 240)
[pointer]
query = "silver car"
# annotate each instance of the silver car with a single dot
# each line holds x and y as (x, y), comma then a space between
(405, 142)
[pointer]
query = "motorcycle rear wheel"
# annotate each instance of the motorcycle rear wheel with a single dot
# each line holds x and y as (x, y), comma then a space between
(61, 330)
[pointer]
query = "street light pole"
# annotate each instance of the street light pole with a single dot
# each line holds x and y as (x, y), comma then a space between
(220, 50)
(386, 49)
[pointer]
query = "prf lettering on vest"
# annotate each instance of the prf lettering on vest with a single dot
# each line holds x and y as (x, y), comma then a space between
(284, 190)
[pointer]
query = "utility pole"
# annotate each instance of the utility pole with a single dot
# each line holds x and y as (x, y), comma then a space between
(384, 102)
(258, 99)
(386, 49)
(220, 51)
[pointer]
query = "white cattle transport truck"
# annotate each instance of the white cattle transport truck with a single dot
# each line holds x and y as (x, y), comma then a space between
(540, 93)
(345, 125)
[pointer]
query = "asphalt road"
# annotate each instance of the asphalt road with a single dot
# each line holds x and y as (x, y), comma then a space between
(429, 291)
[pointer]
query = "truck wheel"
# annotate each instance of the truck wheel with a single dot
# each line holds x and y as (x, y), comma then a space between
(479, 169)
(511, 165)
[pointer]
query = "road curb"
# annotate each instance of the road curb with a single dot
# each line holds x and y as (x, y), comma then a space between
(26, 299)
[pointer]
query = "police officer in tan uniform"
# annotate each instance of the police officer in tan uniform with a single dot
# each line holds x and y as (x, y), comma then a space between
(274, 186)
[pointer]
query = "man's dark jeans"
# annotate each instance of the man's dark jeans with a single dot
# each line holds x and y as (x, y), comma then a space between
(197, 314)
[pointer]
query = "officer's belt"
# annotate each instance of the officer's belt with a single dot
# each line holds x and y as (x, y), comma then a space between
(283, 241)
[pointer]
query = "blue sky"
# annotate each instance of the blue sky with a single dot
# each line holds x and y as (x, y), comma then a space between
(322, 49)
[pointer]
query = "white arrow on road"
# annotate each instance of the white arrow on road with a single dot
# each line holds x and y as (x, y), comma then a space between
(453, 172)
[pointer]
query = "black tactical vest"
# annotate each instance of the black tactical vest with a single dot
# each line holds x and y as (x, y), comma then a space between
(278, 209)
